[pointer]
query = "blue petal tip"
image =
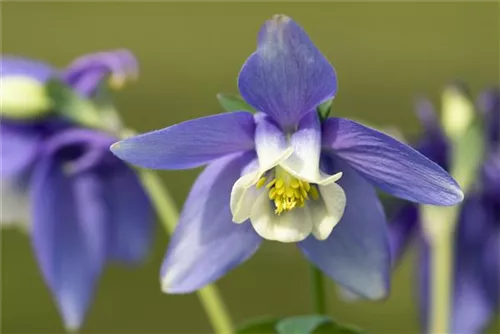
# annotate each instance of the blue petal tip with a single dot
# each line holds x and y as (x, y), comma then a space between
(456, 195)
(117, 149)
(114, 147)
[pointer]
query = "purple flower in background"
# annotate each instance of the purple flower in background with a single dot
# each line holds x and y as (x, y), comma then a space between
(477, 238)
(282, 175)
(81, 204)
(87, 72)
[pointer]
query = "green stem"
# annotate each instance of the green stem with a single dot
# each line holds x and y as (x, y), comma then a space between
(209, 296)
(441, 283)
(318, 290)
(439, 227)
(215, 309)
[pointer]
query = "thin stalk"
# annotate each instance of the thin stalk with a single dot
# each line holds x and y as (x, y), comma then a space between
(318, 290)
(439, 227)
(441, 283)
(209, 296)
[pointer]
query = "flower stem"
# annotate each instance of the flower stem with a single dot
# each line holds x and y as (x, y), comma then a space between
(215, 309)
(209, 296)
(441, 284)
(318, 290)
(439, 227)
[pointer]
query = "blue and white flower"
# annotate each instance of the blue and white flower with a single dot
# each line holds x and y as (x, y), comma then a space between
(284, 175)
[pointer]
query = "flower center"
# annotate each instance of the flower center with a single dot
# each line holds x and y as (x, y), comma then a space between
(287, 192)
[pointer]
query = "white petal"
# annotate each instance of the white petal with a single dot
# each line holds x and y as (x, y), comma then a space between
(306, 143)
(256, 175)
(244, 193)
(271, 162)
(294, 167)
(335, 200)
(14, 208)
(243, 196)
(270, 143)
(291, 226)
(322, 222)
(325, 179)
(328, 212)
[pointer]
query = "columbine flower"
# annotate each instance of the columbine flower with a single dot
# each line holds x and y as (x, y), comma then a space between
(282, 175)
(477, 238)
(85, 206)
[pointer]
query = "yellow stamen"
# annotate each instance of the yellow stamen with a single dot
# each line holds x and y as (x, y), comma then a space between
(306, 185)
(314, 193)
(287, 192)
(270, 184)
(261, 182)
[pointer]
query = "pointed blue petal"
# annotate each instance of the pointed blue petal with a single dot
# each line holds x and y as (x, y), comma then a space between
(356, 254)
(68, 237)
(189, 144)
(206, 243)
(131, 215)
(389, 164)
(287, 76)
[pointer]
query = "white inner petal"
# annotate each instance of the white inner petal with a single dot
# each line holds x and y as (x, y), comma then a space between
(271, 163)
(291, 226)
(323, 223)
(305, 160)
(328, 210)
(294, 166)
(244, 194)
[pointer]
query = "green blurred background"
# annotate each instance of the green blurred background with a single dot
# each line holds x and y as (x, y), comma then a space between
(385, 54)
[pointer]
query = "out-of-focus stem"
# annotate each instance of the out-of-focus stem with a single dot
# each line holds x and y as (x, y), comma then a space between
(441, 284)
(318, 290)
(440, 235)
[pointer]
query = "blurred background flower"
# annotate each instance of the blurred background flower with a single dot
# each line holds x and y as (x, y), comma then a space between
(383, 54)
(477, 238)
(81, 205)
